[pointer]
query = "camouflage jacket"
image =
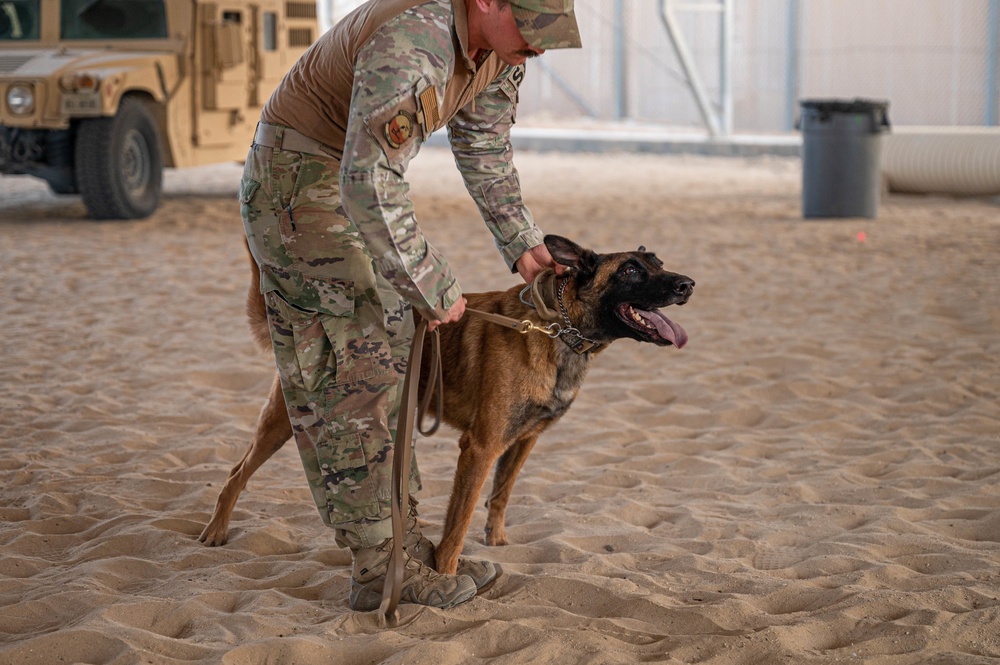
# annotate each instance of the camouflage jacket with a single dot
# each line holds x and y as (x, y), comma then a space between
(404, 66)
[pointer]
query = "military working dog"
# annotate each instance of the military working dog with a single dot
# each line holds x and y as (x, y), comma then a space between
(502, 387)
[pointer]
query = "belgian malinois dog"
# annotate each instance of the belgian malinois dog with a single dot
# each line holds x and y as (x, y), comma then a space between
(503, 388)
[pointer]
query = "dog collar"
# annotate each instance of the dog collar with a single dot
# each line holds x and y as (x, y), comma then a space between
(568, 333)
(572, 336)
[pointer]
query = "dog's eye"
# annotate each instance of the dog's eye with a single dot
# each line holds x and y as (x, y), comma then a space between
(629, 271)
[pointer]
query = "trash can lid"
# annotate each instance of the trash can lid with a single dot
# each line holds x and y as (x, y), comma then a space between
(824, 109)
(857, 105)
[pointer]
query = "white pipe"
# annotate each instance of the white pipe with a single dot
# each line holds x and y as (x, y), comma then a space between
(943, 160)
(687, 63)
(792, 48)
(726, 66)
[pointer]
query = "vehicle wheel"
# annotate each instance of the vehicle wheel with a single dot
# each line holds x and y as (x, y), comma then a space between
(119, 168)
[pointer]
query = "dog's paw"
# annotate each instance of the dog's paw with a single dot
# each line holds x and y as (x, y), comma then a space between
(495, 536)
(214, 536)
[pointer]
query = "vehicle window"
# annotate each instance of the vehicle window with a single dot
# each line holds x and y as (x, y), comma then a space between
(113, 19)
(19, 19)
(270, 31)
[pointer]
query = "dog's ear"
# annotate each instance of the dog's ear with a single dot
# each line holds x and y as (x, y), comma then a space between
(568, 253)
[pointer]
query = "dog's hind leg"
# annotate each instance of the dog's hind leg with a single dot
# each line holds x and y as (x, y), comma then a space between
(508, 466)
(270, 434)
(474, 464)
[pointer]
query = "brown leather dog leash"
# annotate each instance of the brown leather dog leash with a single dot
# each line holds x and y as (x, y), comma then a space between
(401, 473)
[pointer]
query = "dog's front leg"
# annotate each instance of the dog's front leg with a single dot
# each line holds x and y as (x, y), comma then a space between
(270, 434)
(508, 466)
(474, 464)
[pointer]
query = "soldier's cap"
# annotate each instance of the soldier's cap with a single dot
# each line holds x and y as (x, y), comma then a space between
(547, 24)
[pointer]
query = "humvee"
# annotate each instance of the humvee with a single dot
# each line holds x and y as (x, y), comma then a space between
(97, 96)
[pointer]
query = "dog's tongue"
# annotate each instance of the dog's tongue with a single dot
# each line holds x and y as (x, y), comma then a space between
(668, 329)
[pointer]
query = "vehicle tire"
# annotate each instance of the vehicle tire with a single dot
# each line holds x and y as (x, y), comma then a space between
(119, 167)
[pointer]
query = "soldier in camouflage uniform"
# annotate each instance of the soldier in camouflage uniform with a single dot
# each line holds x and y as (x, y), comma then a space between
(342, 260)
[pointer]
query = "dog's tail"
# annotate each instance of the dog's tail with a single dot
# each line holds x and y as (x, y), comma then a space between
(256, 313)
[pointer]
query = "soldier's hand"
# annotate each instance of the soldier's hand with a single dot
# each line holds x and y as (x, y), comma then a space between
(534, 261)
(453, 314)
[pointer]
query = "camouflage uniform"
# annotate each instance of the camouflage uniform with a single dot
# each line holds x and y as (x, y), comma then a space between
(342, 260)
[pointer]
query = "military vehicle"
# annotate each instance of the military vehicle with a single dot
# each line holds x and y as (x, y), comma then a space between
(98, 96)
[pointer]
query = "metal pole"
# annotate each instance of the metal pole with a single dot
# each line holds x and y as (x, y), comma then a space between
(992, 91)
(619, 62)
(726, 66)
(687, 63)
(791, 65)
(329, 13)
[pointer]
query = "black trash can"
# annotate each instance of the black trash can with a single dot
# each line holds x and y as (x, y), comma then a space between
(842, 156)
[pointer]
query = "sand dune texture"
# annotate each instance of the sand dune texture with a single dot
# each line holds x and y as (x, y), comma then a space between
(814, 479)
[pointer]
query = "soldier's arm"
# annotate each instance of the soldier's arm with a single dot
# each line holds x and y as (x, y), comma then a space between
(383, 134)
(480, 141)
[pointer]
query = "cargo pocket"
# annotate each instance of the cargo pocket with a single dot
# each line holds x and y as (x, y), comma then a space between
(285, 185)
(347, 483)
(307, 354)
(354, 353)
(248, 187)
(303, 350)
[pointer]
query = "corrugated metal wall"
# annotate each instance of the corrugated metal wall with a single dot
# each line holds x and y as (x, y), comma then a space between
(929, 58)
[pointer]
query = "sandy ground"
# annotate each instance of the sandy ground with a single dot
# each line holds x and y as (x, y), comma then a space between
(813, 479)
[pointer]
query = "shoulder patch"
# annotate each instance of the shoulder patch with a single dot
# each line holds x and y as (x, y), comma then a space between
(429, 109)
(517, 75)
(512, 82)
(395, 126)
(399, 129)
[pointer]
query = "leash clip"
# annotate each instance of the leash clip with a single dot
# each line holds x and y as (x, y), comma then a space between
(552, 330)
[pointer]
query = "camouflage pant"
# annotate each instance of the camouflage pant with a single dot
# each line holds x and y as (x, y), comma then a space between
(340, 334)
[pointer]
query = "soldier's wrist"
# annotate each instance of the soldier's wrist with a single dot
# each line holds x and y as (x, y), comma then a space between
(520, 245)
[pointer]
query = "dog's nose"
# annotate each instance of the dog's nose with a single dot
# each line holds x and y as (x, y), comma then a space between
(684, 287)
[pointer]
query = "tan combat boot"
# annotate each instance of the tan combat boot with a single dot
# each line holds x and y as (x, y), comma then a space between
(483, 573)
(414, 542)
(421, 585)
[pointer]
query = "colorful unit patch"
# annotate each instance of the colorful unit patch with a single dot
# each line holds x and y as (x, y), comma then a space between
(399, 129)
